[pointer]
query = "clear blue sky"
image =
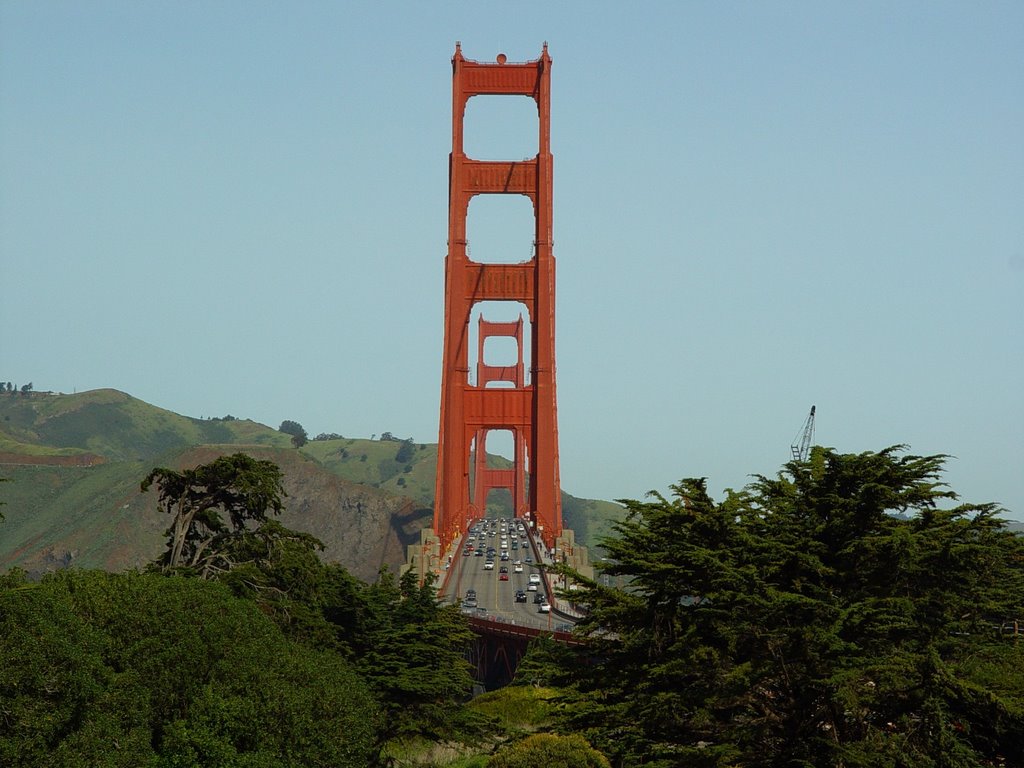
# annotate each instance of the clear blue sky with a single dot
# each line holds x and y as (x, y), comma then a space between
(241, 207)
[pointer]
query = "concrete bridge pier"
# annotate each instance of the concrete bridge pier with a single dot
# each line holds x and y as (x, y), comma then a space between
(426, 557)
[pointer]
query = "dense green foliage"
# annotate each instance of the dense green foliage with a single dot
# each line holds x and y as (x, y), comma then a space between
(145, 670)
(181, 672)
(407, 645)
(412, 651)
(545, 749)
(832, 616)
(271, 658)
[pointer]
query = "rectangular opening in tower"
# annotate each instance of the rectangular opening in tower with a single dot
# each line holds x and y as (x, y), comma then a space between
(500, 229)
(501, 128)
(503, 348)
(499, 444)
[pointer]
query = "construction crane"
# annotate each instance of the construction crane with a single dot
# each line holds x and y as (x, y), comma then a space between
(802, 442)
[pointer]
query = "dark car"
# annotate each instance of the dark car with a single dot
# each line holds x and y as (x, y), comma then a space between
(520, 596)
(540, 597)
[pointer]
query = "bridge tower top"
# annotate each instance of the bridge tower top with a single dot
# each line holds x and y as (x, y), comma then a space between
(470, 409)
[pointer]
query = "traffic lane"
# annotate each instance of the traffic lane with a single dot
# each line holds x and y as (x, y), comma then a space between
(495, 597)
(505, 606)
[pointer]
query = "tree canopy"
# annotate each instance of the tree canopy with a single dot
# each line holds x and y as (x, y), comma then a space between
(546, 749)
(239, 486)
(412, 650)
(142, 670)
(296, 430)
(833, 615)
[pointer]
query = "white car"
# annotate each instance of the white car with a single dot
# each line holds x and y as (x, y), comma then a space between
(535, 578)
(517, 568)
(545, 607)
(489, 565)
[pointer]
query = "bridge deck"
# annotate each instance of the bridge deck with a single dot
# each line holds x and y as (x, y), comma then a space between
(496, 609)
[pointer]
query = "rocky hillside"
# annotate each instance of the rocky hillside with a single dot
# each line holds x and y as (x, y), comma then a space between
(75, 463)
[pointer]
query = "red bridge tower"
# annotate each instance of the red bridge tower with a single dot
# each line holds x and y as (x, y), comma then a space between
(470, 410)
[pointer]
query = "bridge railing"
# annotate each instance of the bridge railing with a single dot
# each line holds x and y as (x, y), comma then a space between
(494, 626)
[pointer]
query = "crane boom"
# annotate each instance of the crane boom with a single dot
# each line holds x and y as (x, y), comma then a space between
(801, 446)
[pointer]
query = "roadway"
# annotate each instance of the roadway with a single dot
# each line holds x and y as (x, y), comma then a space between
(496, 598)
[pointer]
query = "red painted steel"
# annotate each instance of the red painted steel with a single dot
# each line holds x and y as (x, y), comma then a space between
(470, 410)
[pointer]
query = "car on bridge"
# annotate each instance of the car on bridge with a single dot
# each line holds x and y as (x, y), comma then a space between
(545, 607)
(517, 568)
(520, 596)
(489, 565)
(535, 578)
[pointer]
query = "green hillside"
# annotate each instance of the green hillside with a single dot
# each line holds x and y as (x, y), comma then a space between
(57, 514)
(76, 462)
(403, 468)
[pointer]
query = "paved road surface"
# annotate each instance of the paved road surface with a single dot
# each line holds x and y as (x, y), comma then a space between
(496, 598)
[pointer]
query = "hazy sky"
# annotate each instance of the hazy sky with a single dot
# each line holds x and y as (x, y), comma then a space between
(241, 207)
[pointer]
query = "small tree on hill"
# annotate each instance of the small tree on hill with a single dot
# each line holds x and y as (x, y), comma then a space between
(296, 430)
(405, 452)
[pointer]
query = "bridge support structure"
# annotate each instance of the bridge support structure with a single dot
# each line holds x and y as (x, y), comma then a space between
(469, 410)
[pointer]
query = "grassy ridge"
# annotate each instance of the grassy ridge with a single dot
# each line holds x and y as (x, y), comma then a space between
(115, 425)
